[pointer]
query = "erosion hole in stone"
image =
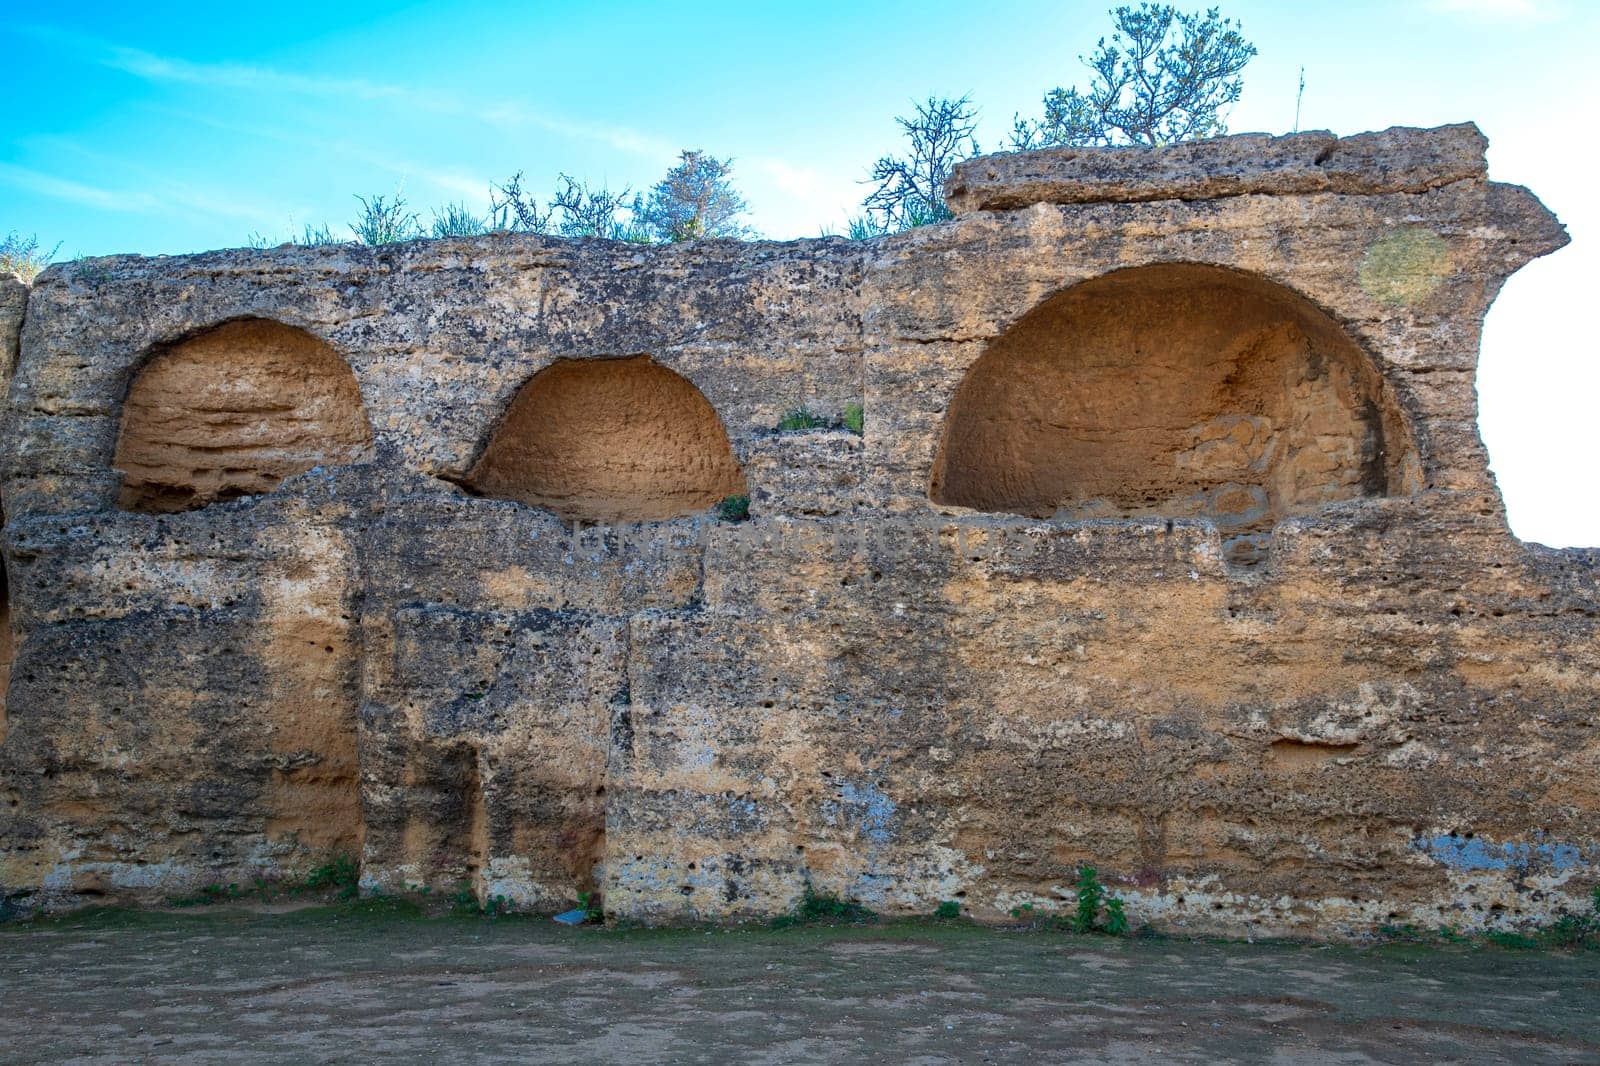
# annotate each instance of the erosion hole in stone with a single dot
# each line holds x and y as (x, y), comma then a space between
(1290, 755)
(232, 412)
(1174, 390)
(609, 441)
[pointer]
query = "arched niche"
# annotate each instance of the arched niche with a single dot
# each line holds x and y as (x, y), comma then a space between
(232, 412)
(1172, 390)
(609, 441)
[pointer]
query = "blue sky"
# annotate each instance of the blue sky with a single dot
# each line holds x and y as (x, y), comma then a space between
(174, 128)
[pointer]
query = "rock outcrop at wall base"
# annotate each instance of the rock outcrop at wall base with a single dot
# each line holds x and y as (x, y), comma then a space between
(1217, 596)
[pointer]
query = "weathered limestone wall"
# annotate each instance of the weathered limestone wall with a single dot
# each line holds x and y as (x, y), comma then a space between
(1307, 681)
(13, 306)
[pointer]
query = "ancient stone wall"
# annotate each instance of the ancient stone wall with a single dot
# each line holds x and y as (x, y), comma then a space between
(1168, 544)
(13, 306)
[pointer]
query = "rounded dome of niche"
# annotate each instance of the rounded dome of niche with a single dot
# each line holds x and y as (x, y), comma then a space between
(232, 412)
(1176, 391)
(609, 441)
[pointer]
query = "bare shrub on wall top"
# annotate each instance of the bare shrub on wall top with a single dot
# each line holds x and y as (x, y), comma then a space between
(910, 188)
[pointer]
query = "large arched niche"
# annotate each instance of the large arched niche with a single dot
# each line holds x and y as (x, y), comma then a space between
(1173, 390)
(232, 411)
(609, 441)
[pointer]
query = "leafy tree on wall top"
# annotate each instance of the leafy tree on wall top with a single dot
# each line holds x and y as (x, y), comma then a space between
(695, 199)
(1164, 76)
(910, 188)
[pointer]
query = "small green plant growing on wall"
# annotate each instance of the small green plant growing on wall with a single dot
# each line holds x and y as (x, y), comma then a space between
(464, 904)
(1510, 940)
(855, 418)
(340, 873)
(1092, 901)
(1577, 930)
(1568, 931)
(221, 893)
(1116, 917)
(455, 220)
(464, 901)
(593, 910)
(823, 908)
(734, 509)
(90, 272)
(1091, 897)
(799, 419)
(24, 256)
(948, 911)
(385, 220)
(310, 236)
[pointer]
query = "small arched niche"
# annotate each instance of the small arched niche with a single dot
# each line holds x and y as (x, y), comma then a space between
(232, 412)
(1175, 391)
(609, 441)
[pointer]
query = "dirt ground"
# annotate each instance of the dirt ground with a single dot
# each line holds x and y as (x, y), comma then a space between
(340, 985)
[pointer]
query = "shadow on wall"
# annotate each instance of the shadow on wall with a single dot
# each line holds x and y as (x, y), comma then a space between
(609, 441)
(7, 643)
(1174, 391)
(232, 412)
(312, 795)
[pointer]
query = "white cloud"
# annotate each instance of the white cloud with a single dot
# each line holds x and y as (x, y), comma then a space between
(247, 77)
(155, 192)
(169, 198)
(796, 181)
(795, 200)
(454, 181)
(260, 79)
(78, 192)
(619, 137)
(251, 78)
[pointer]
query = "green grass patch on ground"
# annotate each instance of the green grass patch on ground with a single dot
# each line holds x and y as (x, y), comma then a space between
(337, 877)
(823, 908)
(330, 891)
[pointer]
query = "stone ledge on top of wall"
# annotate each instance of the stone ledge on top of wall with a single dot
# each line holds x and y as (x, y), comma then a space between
(1401, 159)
